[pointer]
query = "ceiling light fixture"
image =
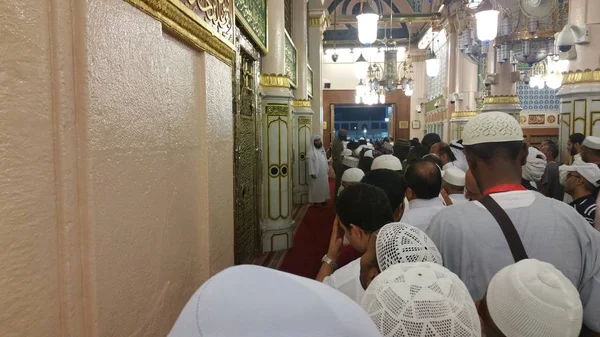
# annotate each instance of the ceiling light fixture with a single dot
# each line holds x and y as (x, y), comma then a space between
(487, 21)
(432, 64)
(367, 25)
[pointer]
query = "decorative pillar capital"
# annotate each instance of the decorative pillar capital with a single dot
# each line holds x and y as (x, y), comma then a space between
(274, 81)
(302, 103)
(505, 103)
(318, 18)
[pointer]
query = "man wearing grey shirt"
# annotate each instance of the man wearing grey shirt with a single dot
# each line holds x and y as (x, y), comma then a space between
(550, 183)
(471, 241)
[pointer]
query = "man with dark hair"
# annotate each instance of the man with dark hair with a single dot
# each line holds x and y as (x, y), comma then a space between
(574, 145)
(432, 158)
(582, 182)
(336, 156)
(394, 186)
(424, 181)
(471, 240)
(550, 182)
(444, 152)
(401, 148)
(361, 209)
(430, 139)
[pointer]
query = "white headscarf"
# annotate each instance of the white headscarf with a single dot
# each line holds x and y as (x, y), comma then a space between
(535, 166)
(312, 150)
(253, 301)
(461, 159)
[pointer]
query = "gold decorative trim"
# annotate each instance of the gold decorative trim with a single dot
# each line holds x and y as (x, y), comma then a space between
(274, 81)
(501, 99)
(463, 114)
(304, 120)
(318, 21)
(277, 110)
(302, 103)
(179, 19)
(418, 58)
(264, 46)
(581, 76)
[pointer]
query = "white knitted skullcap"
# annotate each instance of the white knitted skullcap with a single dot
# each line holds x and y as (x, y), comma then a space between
(402, 243)
(421, 299)
(253, 301)
(347, 152)
(387, 161)
(370, 146)
(592, 142)
(492, 127)
(534, 299)
(350, 161)
(353, 175)
(454, 176)
(358, 150)
(368, 154)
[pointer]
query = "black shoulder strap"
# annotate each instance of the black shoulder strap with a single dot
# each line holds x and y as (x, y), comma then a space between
(508, 228)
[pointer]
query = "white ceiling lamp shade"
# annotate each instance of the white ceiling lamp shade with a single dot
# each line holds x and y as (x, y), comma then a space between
(432, 65)
(408, 91)
(361, 89)
(361, 67)
(487, 21)
(367, 27)
(554, 80)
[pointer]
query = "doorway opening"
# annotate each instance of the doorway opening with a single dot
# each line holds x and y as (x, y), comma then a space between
(372, 122)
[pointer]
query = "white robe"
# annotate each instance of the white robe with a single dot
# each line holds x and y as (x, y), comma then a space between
(318, 189)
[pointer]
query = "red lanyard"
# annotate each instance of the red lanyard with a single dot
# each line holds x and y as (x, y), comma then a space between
(504, 188)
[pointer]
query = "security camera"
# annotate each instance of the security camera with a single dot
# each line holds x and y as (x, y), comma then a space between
(334, 57)
(455, 97)
(571, 35)
(487, 82)
(525, 78)
(419, 109)
(437, 104)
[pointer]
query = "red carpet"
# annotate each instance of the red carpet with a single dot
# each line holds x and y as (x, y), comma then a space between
(312, 240)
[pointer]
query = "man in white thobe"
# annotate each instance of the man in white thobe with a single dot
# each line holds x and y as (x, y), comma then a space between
(318, 169)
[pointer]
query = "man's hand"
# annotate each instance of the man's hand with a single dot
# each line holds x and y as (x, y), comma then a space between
(336, 241)
(445, 197)
(314, 176)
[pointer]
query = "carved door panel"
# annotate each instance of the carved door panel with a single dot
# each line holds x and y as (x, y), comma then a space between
(247, 154)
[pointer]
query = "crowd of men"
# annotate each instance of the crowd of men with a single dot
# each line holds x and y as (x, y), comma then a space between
(485, 236)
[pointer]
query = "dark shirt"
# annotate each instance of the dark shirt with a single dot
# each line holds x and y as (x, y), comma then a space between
(551, 181)
(586, 206)
(336, 150)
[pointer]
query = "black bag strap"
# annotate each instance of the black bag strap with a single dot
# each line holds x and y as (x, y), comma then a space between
(508, 228)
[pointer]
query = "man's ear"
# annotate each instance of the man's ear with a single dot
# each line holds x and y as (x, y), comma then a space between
(371, 274)
(410, 194)
(399, 211)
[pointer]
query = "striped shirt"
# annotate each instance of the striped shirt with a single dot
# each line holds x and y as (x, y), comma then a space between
(586, 206)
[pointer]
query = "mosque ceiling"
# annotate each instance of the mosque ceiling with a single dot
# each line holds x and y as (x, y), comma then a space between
(418, 14)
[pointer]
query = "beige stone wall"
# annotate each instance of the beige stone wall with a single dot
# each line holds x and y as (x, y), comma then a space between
(116, 166)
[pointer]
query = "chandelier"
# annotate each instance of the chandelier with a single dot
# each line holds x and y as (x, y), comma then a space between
(487, 21)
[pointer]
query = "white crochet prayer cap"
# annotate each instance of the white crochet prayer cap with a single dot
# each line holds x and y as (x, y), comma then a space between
(350, 161)
(421, 299)
(347, 152)
(589, 171)
(370, 146)
(353, 175)
(535, 166)
(388, 146)
(454, 176)
(387, 161)
(369, 154)
(592, 142)
(358, 150)
(492, 127)
(534, 299)
(254, 301)
(402, 243)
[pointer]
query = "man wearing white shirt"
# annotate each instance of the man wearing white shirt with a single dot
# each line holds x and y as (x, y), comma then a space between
(454, 185)
(472, 242)
(361, 210)
(424, 181)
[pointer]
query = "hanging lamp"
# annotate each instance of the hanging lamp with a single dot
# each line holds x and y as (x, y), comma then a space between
(432, 64)
(361, 67)
(367, 25)
(487, 21)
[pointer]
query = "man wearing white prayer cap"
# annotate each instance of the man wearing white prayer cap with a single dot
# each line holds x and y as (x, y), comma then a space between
(590, 150)
(368, 154)
(471, 240)
(421, 299)
(533, 299)
(350, 177)
(395, 243)
(453, 182)
(582, 181)
(318, 170)
(387, 161)
(534, 168)
(350, 161)
(254, 301)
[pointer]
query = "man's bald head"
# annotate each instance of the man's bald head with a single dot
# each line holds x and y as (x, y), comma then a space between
(443, 151)
(424, 180)
(471, 189)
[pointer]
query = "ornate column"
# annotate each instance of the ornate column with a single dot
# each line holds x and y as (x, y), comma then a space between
(466, 87)
(417, 112)
(580, 92)
(450, 80)
(317, 24)
(504, 87)
(277, 222)
(301, 105)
